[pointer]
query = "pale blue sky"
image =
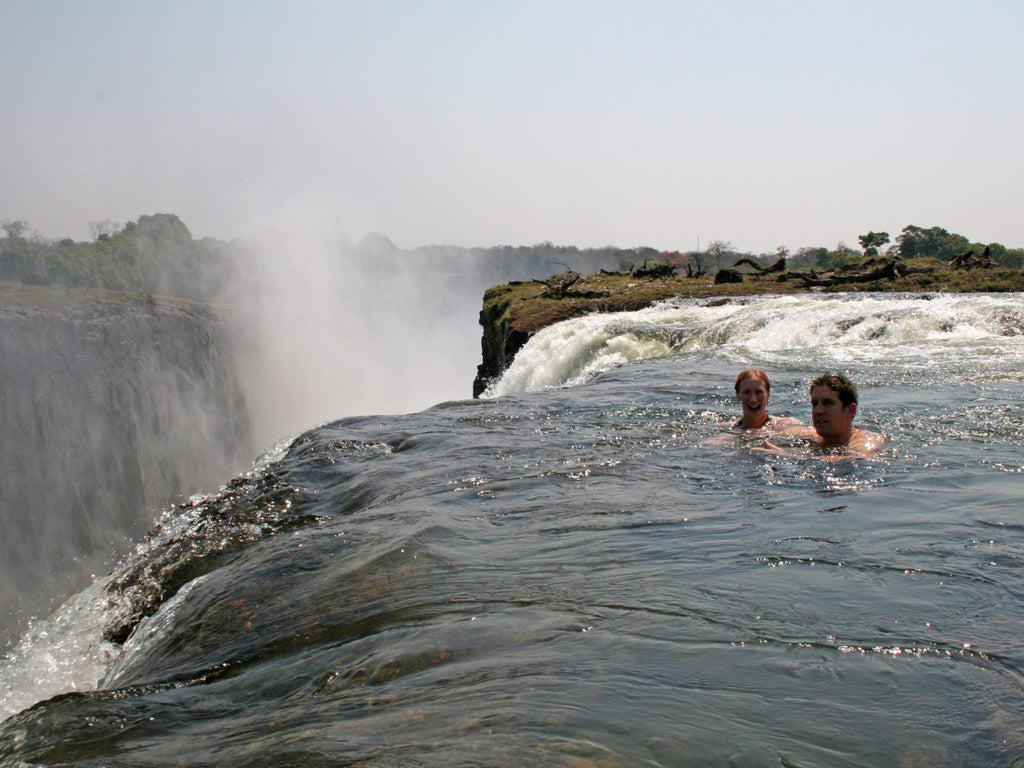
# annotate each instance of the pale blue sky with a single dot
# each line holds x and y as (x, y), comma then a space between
(485, 123)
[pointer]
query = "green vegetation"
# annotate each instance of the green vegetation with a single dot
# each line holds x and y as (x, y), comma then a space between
(872, 241)
(913, 242)
(156, 254)
(520, 308)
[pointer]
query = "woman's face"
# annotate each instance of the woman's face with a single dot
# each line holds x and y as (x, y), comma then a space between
(753, 396)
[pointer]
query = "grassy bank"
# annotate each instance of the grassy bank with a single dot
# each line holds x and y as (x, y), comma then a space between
(526, 307)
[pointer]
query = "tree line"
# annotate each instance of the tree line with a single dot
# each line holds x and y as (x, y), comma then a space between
(157, 254)
(913, 242)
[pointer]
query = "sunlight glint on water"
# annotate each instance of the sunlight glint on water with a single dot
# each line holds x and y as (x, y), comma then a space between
(569, 573)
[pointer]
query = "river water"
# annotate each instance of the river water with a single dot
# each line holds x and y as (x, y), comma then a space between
(567, 572)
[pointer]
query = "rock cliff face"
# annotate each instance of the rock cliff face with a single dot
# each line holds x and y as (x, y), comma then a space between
(111, 408)
(500, 340)
(512, 313)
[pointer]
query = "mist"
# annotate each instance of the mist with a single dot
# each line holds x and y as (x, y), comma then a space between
(113, 407)
(328, 328)
(116, 408)
(221, 352)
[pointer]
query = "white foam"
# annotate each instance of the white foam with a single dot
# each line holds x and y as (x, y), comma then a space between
(821, 329)
(63, 653)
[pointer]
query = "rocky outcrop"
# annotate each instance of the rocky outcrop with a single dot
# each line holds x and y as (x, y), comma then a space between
(513, 312)
(112, 407)
(500, 340)
(728, 276)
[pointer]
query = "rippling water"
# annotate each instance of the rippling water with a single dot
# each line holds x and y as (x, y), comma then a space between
(574, 576)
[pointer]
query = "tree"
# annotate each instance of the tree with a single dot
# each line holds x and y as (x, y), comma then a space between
(100, 230)
(872, 241)
(935, 242)
(842, 256)
(1012, 257)
(718, 249)
(16, 229)
(807, 257)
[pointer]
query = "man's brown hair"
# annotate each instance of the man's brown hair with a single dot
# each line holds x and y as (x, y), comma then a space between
(840, 384)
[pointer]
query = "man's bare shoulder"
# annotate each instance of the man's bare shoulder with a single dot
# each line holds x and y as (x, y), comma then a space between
(865, 442)
(862, 443)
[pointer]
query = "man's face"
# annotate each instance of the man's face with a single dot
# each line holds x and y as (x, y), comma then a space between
(753, 395)
(831, 420)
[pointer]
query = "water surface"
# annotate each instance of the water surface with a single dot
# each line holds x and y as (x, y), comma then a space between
(575, 576)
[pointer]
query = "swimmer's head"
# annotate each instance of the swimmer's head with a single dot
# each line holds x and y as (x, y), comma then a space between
(753, 373)
(841, 385)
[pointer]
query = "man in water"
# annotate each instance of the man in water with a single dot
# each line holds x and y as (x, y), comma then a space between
(833, 406)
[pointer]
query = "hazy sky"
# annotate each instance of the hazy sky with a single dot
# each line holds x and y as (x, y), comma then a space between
(485, 123)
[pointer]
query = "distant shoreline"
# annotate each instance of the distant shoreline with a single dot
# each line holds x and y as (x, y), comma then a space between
(530, 306)
(513, 312)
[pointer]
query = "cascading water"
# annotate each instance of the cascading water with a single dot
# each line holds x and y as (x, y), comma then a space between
(572, 571)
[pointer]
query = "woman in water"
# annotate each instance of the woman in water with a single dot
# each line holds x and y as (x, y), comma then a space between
(753, 390)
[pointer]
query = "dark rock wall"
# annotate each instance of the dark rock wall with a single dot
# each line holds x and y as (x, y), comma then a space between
(112, 407)
(500, 341)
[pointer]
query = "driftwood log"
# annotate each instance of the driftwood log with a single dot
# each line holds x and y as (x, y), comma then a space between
(970, 259)
(887, 271)
(750, 263)
(557, 286)
(654, 269)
